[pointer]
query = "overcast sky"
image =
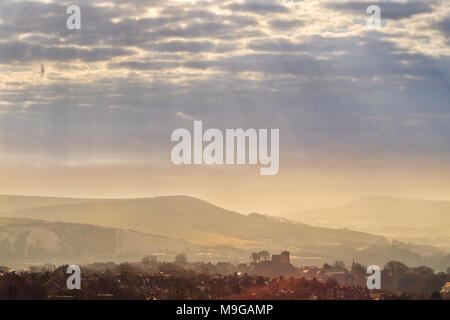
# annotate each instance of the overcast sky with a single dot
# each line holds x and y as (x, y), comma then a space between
(112, 92)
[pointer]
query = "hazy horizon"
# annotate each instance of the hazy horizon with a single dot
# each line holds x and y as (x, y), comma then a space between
(274, 213)
(89, 112)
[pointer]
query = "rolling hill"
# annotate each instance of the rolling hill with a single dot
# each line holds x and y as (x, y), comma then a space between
(194, 220)
(26, 242)
(202, 224)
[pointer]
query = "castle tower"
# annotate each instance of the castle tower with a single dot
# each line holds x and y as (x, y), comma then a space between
(285, 257)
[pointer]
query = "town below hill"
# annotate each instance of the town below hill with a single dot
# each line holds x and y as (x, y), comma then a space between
(264, 278)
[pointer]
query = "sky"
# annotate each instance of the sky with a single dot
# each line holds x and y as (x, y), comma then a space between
(361, 111)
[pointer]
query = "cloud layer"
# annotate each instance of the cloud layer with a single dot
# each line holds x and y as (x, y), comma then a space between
(116, 88)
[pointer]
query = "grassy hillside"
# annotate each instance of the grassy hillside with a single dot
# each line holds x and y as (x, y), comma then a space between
(25, 242)
(170, 216)
(195, 221)
(204, 224)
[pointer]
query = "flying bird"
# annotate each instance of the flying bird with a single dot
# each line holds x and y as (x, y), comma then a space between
(42, 70)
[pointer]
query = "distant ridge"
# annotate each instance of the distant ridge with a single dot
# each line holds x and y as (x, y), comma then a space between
(201, 223)
(413, 220)
(17, 202)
